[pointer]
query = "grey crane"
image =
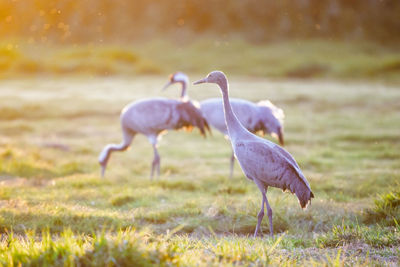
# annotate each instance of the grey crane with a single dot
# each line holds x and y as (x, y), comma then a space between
(262, 117)
(152, 117)
(262, 161)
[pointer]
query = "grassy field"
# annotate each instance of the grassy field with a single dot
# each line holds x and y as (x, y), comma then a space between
(305, 59)
(55, 208)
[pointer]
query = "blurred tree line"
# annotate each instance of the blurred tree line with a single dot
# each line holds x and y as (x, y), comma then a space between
(75, 21)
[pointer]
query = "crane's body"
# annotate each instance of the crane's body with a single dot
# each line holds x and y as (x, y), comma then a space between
(214, 112)
(271, 165)
(262, 161)
(262, 117)
(154, 116)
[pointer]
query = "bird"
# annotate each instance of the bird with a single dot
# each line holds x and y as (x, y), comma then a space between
(263, 117)
(262, 161)
(153, 117)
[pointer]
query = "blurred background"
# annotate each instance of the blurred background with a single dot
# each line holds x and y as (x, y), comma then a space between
(68, 67)
(290, 38)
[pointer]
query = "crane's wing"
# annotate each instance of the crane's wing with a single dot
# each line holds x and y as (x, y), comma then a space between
(293, 162)
(244, 110)
(266, 161)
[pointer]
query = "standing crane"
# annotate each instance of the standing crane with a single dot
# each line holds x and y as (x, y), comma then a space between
(152, 117)
(262, 161)
(263, 117)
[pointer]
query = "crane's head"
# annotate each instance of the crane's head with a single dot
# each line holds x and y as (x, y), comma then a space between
(177, 77)
(103, 159)
(217, 77)
(274, 129)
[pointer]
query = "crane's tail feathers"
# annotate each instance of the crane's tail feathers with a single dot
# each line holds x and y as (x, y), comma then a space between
(191, 116)
(296, 185)
(207, 127)
(305, 199)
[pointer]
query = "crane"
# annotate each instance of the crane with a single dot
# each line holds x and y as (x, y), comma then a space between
(152, 118)
(263, 162)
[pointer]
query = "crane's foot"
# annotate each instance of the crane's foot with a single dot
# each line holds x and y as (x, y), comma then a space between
(259, 233)
(255, 232)
(154, 169)
(271, 233)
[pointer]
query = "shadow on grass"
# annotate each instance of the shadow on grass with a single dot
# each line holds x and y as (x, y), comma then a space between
(178, 185)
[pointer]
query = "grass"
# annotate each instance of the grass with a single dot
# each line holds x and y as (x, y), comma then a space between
(386, 210)
(300, 59)
(374, 236)
(143, 248)
(56, 210)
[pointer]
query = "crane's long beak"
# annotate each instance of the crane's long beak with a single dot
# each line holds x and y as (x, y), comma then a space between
(201, 81)
(167, 85)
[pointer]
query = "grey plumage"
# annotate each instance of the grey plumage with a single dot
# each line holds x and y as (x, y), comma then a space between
(262, 161)
(152, 117)
(262, 117)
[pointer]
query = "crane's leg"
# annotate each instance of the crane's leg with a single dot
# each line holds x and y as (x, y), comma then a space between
(269, 213)
(260, 215)
(108, 149)
(155, 166)
(232, 164)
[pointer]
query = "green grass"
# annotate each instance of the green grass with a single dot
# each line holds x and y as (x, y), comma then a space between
(56, 210)
(386, 210)
(374, 236)
(300, 59)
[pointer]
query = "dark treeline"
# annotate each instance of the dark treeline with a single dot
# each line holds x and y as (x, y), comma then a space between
(257, 20)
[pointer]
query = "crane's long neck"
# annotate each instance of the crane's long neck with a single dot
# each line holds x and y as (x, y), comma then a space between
(232, 122)
(184, 95)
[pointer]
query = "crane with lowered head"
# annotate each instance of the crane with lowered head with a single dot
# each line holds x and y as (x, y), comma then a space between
(152, 117)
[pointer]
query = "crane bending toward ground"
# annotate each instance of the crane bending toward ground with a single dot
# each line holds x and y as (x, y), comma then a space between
(262, 117)
(152, 117)
(262, 161)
